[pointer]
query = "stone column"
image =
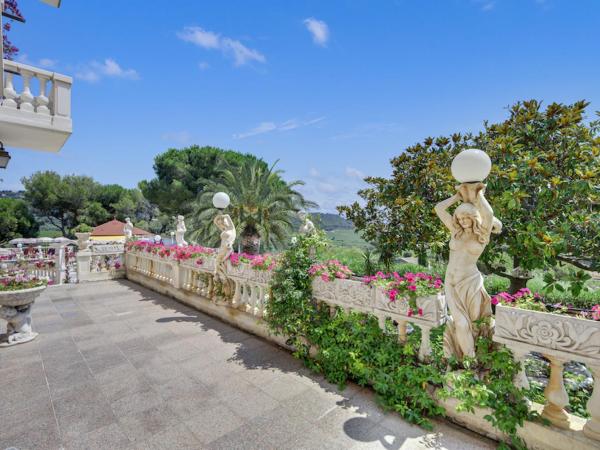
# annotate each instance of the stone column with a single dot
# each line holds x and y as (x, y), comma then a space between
(556, 395)
(84, 259)
(592, 427)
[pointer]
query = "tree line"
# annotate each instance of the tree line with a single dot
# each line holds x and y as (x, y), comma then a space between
(263, 203)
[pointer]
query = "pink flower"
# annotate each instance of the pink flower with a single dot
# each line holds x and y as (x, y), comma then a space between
(420, 312)
(409, 313)
(412, 287)
(392, 294)
(596, 312)
(324, 277)
(495, 300)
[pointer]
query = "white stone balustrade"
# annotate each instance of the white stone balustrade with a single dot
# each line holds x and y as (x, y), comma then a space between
(36, 107)
(250, 289)
(560, 338)
(357, 296)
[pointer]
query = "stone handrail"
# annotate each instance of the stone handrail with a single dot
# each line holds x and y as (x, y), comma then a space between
(53, 95)
(35, 108)
(560, 338)
(250, 287)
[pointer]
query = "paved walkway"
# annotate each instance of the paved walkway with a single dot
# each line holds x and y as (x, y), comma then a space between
(119, 366)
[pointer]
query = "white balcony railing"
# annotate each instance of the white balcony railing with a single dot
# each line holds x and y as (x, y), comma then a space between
(36, 108)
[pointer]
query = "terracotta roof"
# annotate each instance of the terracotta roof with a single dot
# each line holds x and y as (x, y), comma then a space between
(115, 228)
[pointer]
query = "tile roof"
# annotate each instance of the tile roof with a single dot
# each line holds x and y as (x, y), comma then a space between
(115, 228)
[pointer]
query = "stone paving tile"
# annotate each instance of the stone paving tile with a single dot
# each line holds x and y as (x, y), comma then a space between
(174, 438)
(119, 366)
(209, 427)
(108, 437)
(140, 425)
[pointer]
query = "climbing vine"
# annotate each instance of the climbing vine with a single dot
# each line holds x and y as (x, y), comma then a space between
(351, 346)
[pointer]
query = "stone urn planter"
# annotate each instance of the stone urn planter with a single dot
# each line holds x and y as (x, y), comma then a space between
(83, 240)
(560, 338)
(15, 308)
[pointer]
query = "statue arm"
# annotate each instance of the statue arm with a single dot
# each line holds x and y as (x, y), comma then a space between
(441, 210)
(486, 211)
(227, 220)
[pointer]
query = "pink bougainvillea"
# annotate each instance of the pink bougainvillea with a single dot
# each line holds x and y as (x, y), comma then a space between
(330, 270)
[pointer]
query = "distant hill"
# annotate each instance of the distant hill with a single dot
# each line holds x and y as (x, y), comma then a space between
(329, 222)
(12, 194)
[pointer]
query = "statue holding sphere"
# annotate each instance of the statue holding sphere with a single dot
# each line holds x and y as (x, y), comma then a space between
(470, 227)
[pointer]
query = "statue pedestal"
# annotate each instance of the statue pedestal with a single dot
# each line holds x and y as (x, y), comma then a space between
(84, 259)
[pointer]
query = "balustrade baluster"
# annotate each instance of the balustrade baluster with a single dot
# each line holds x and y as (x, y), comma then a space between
(556, 395)
(402, 333)
(520, 380)
(41, 101)
(26, 97)
(592, 427)
(425, 347)
(237, 294)
(9, 92)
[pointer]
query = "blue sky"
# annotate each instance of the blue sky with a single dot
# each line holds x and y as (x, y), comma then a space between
(333, 89)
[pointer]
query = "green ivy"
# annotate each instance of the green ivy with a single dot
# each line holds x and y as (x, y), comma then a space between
(352, 346)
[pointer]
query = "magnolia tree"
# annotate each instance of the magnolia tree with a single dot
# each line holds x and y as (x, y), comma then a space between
(544, 186)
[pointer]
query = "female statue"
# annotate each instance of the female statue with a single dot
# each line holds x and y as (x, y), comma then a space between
(306, 227)
(470, 227)
(228, 235)
(128, 229)
(180, 232)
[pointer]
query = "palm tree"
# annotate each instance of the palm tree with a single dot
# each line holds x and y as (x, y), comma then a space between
(262, 206)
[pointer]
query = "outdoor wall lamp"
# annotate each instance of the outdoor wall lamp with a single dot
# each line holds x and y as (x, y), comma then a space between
(4, 157)
(471, 166)
(221, 200)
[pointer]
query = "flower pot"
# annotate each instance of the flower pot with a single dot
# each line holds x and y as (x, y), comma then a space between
(15, 308)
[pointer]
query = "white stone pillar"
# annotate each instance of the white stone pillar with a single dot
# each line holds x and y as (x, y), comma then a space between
(556, 395)
(425, 347)
(84, 259)
(592, 427)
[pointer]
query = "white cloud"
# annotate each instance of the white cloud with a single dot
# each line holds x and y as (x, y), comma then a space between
(45, 63)
(369, 130)
(354, 173)
(231, 48)
(95, 70)
(318, 29)
(331, 189)
(485, 5)
(267, 127)
(179, 137)
(203, 65)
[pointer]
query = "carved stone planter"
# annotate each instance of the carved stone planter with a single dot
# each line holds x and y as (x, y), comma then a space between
(83, 240)
(15, 308)
(560, 339)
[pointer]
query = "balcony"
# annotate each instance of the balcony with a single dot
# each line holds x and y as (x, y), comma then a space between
(36, 108)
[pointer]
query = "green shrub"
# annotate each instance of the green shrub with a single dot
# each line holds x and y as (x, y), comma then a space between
(495, 284)
(82, 228)
(352, 346)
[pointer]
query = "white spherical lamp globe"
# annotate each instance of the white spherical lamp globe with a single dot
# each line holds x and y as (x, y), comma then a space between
(221, 200)
(471, 166)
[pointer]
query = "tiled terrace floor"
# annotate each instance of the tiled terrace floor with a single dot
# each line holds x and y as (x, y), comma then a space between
(119, 366)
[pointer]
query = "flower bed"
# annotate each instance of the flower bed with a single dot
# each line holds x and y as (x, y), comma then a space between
(330, 270)
(256, 262)
(527, 300)
(195, 252)
(16, 282)
(408, 287)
